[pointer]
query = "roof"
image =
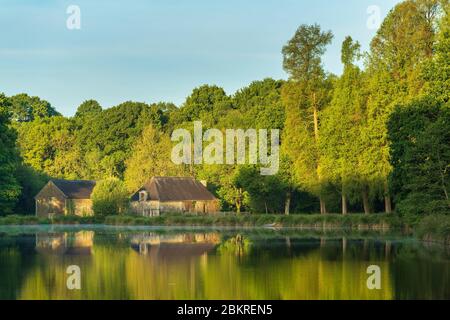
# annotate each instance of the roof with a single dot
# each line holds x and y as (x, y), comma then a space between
(175, 189)
(75, 189)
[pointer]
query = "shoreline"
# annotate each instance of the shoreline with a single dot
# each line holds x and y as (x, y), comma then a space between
(321, 224)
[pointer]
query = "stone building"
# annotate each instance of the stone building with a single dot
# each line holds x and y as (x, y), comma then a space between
(65, 197)
(173, 195)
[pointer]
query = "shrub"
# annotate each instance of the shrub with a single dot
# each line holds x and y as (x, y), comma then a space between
(434, 227)
(110, 197)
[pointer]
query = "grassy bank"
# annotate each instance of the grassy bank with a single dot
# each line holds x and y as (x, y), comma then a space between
(434, 228)
(360, 222)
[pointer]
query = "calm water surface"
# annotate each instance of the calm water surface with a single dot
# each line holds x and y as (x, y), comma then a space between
(168, 263)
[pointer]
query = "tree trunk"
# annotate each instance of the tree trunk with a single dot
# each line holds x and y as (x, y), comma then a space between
(344, 205)
(387, 204)
(366, 204)
(387, 199)
(287, 204)
(316, 125)
(238, 201)
(323, 207)
(238, 207)
(265, 205)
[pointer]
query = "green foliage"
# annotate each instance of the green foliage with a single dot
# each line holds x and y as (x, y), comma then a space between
(49, 146)
(306, 94)
(420, 155)
(110, 197)
(265, 193)
(31, 182)
(437, 71)
(302, 54)
(107, 139)
(341, 142)
(24, 108)
(350, 51)
(9, 186)
(400, 49)
(88, 108)
(150, 157)
(434, 228)
(206, 103)
(258, 106)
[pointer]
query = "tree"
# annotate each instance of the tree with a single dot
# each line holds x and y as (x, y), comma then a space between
(110, 197)
(151, 156)
(420, 157)
(31, 182)
(9, 159)
(24, 108)
(305, 95)
(88, 108)
(108, 137)
(402, 46)
(49, 146)
(206, 103)
(341, 128)
(259, 106)
(264, 193)
(437, 72)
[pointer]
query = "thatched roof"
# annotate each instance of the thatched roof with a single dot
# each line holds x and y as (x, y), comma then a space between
(175, 189)
(75, 189)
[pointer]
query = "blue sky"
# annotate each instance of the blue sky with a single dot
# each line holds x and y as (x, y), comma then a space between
(159, 50)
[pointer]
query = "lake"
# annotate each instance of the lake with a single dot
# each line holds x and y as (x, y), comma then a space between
(191, 263)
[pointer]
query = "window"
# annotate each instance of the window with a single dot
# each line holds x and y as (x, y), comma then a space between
(142, 196)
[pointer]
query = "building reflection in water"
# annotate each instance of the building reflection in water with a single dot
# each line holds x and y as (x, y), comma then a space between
(174, 247)
(62, 243)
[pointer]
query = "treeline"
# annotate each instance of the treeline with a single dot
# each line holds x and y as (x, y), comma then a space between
(374, 139)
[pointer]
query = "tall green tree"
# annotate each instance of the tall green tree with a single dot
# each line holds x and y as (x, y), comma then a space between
(419, 135)
(150, 156)
(401, 47)
(341, 128)
(304, 96)
(437, 72)
(9, 187)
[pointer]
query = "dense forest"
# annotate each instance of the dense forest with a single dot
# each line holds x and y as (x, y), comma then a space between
(374, 139)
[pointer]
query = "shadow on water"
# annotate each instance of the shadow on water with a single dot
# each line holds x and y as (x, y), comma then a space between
(198, 263)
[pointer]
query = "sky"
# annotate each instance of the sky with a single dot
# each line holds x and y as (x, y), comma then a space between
(159, 50)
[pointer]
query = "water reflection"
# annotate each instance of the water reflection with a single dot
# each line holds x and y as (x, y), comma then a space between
(171, 264)
(177, 246)
(61, 244)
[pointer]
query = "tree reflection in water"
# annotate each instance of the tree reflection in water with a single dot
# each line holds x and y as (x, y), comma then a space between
(217, 265)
